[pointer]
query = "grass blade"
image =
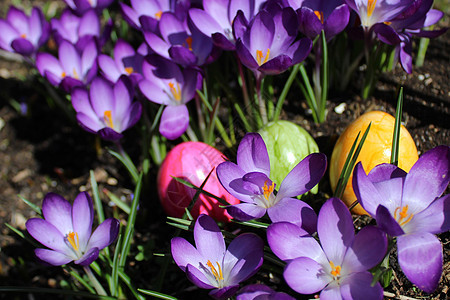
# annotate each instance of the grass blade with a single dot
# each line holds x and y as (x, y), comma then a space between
(397, 128)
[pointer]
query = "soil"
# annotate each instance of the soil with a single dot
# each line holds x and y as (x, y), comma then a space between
(42, 150)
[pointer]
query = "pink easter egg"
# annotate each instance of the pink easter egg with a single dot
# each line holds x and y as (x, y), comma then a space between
(192, 161)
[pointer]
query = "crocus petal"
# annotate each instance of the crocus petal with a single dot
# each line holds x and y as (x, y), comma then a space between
(309, 24)
(335, 229)
(89, 123)
(427, 179)
(359, 286)
(58, 212)
(182, 55)
(434, 219)
(174, 121)
(204, 22)
(104, 234)
(48, 235)
(183, 253)
(245, 56)
(366, 193)
(89, 24)
(23, 46)
(225, 292)
(304, 176)
(108, 67)
(420, 257)
(252, 154)
(246, 211)
(46, 62)
(331, 292)
(288, 241)
(247, 247)
(83, 217)
(276, 65)
(153, 92)
(387, 222)
(337, 21)
(367, 250)
(305, 276)
(88, 257)
(101, 95)
(197, 277)
(294, 211)
(230, 176)
(70, 59)
(109, 134)
(53, 258)
(208, 239)
(262, 31)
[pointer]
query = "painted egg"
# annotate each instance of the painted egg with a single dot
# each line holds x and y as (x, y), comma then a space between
(376, 149)
(192, 161)
(287, 144)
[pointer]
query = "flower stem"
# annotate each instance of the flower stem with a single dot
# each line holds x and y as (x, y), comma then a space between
(261, 103)
(94, 282)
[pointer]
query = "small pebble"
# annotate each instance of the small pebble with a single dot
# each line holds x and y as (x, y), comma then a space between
(340, 108)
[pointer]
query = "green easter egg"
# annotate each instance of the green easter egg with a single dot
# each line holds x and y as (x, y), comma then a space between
(287, 144)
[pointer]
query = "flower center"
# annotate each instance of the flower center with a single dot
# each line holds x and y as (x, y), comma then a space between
(176, 92)
(189, 42)
(335, 270)
(75, 74)
(319, 15)
(107, 117)
(260, 58)
(158, 15)
(23, 35)
(129, 70)
(401, 215)
(370, 6)
(218, 275)
(72, 238)
(268, 189)
(63, 74)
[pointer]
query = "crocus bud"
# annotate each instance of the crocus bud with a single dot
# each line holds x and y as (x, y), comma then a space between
(192, 161)
(376, 150)
(287, 144)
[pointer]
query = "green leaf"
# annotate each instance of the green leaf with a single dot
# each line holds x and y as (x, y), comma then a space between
(397, 129)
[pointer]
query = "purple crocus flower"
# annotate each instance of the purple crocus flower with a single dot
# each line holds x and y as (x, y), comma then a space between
(145, 14)
(261, 292)
(77, 30)
(72, 68)
(67, 231)
(249, 181)
(407, 206)
(216, 18)
(330, 16)
(127, 61)
(106, 110)
(81, 6)
(210, 265)
(339, 265)
(165, 83)
(183, 44)
(268, 44)
(410, 22)
(23, 34)
(372, 12)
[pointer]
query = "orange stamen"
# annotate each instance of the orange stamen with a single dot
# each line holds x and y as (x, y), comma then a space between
(217, 274)
(319, 15)
(403, 217)
(158, 15)
(189, 42)
(23, 35)
(335, 270)
(260, 56)
(268, 189)
(71, 238)
(63, 74)
(129, 70)
(176, 92)
(107, 117)
(370, 6)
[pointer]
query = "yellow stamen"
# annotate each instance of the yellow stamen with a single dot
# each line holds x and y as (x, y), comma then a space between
(403, 217)
(319, 15)
(71, 238)
(129, 70)
(75, 74)
(176, 92)
(260, 56)
(370, 6)
(387, 23)
(268, 189)
(63, 74)
(217, 274)
(23, 35)
(158, 15)
(335, 270)
(189, 42)
(107, 117)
